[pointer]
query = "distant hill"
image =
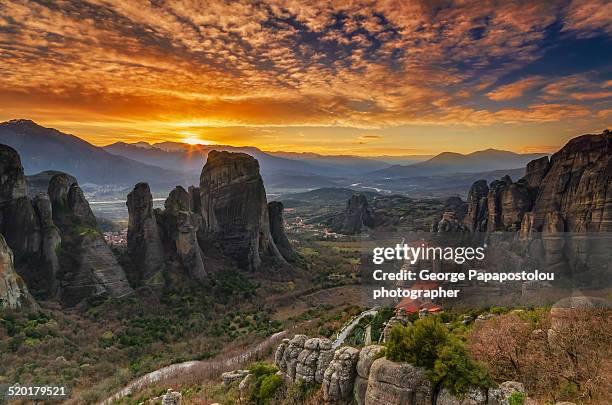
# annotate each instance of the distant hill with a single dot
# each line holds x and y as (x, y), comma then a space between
(449, 162)
(191, 158)
(43, 149)
(441, 185)
(345, 164)
(328, 195)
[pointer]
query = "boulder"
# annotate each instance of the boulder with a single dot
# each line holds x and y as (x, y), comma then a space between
(277, 229)
(235, 208)
(392, 383)
(279, 359)
(143, 238)
(172, 398)
(474, 396)
(339, 377)
(232, 376)
(500, 394)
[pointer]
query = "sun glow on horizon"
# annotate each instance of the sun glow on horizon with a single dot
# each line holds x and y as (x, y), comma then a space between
(194, 141)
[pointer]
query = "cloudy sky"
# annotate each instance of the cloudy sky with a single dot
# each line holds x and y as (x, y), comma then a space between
(362, 77)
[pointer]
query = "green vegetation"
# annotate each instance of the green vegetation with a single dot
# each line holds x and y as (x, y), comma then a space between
(265, 383)
(516, 398)
(429, 344)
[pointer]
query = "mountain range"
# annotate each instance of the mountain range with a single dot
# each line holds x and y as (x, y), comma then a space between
(450, 162)
(167, 163)
(49, 149)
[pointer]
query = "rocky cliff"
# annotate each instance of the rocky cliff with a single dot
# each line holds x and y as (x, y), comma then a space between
(362, 376)
(357, 216)
(575, 183)
(235, 209)
(145, 248)
(13, 291)
(557, 198)
(227, 213)
(87, 265)
(277, 229)
(18, 221)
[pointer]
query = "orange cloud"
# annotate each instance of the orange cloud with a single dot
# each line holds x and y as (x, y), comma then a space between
(282, 63)
(514, 90)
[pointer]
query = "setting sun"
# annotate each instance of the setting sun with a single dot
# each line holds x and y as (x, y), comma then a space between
(194, 141)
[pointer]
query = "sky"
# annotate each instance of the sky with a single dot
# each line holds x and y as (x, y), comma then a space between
(345, 77)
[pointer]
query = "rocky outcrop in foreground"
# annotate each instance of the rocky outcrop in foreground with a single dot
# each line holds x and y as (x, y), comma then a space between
(304, 358)
(350, 375)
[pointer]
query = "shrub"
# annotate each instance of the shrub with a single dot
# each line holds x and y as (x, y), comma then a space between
(268, 387)
(418, 344)
(429, 344)
(456, 371)
(265, 383)
(516, 398)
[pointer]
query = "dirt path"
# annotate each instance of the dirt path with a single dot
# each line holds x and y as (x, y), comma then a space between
(200, 368)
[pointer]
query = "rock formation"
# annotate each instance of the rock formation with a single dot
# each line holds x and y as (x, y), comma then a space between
(575, 183)
(357, 216)
(235, 209)
(367, 355)
(477, 214)
(88, 267)
(449, 223)
(144, 242)
(277, 229)
(18, 221)
(50, 242)
(474, 396)
(571, 193)
(501, 394)
(365, 378)
(304, 359)
(392, 383)
(172, 398)
(13, 291)
(339, 377)
(227, 213)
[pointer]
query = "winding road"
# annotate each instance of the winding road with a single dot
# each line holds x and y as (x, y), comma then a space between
(210, 368)
(348, 328)
(200, 367)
